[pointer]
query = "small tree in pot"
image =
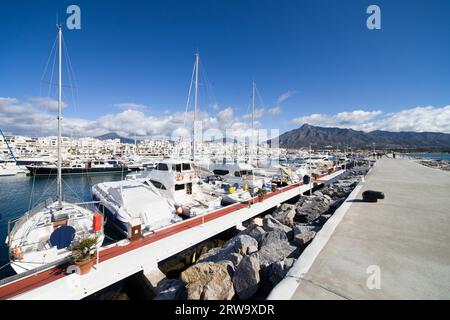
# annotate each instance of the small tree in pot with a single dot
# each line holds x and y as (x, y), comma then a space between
(82, 253)
(261, 193)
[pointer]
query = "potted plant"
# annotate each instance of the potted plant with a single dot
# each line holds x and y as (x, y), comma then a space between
(261, 193)
(82, 253)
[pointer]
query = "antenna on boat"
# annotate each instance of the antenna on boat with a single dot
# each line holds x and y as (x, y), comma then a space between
(59, 179)
(194, 147)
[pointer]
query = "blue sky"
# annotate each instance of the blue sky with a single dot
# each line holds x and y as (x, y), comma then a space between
(314, 61)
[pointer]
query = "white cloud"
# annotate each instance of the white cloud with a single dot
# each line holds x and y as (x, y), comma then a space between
(130, 106)
(418, 119)
(284, 96)
(257, 114)
(341, 119)
(4, 101)
(26, 118)
(46, 102)
(275, 110)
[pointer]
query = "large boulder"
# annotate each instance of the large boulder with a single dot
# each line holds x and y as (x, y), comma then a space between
(271, 236)
(271, 224)
(302, 239)
(241, 244)
(171, 289)
(274, 251)
(285, 214)
(310, 210)
(278, 270)
(254, 230)
(301, 228)
(246, 278)
(208, 281)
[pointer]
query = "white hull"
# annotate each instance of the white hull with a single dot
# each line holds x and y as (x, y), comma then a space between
(30, 239)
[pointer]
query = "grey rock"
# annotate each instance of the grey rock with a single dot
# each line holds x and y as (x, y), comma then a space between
(241, 244)
(300, 228)
(301, 239)
(271, 224)
(271, 236)
(171, 289)
(246, 278)
(254, 231)
(337, 203)
(308, 215)
(274, 251)
(235, 258)
(278, 270)
(289, 262)
(318, 194)
(285, 214)
(324, 218)
(208, 281)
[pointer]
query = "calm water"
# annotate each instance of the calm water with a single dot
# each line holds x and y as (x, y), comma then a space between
(435, 156)
(19, 193)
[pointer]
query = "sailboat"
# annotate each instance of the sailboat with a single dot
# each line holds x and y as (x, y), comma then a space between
(8, 166)
(43, 236)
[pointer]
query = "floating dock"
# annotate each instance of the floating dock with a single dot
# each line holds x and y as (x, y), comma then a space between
(125, 258)
(397, 248)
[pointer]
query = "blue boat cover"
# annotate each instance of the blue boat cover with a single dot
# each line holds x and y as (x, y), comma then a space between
(62, 237)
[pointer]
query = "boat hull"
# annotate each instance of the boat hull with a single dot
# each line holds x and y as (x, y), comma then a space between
(45, 171)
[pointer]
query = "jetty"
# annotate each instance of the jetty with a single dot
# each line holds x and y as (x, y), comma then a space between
(125, 258)
(397, 248)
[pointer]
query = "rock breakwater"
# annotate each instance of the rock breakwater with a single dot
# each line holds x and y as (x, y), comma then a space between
(251, 263)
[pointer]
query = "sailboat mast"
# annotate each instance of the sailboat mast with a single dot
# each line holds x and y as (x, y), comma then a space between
(59, 179)
(253, 122)
(194, 147)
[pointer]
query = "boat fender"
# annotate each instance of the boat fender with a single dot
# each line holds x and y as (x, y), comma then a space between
(17, 253)
(73, 269)
(97, 222)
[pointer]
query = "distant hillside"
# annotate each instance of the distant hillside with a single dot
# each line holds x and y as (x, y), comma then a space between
(113, 135)
(321, 137)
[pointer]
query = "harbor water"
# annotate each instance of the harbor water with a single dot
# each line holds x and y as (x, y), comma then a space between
(432, 156)
(20, 193)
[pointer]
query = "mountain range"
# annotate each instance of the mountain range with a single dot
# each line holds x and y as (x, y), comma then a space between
(325, 136)
(332, 137)
(113, 135)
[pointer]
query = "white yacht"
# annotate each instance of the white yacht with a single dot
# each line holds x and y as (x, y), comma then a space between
(156, 199)
(135, 202)
(179, 182)
(10, 168)
(238, 173)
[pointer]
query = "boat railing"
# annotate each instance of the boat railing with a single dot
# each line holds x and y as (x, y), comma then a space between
(15, 223)
(33, 271)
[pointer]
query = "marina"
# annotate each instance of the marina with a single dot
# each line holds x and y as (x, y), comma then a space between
(241, 152)
(145, 252)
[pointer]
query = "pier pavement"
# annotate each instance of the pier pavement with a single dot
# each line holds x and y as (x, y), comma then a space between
(397, 248)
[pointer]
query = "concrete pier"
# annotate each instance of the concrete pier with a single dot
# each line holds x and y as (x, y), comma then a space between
(397, 248)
